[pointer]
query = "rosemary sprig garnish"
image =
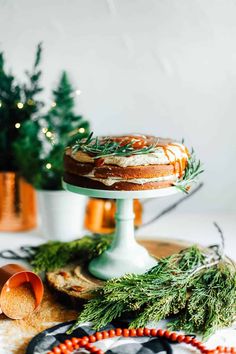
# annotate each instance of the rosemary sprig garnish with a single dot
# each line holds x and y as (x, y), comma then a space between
(108, 147)
(192, 171)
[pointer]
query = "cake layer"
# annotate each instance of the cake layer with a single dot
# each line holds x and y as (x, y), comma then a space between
(107, 171)
(86, 182)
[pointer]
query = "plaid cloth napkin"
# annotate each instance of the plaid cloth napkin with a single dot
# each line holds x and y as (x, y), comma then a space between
(49, 338)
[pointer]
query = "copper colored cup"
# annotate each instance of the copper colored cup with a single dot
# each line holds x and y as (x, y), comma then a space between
(100, 215)
(17, 203)
(14, 275)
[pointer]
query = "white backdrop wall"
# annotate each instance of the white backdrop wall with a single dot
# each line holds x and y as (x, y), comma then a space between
(166, 67)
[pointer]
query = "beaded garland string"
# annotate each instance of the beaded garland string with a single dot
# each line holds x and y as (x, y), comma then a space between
(74, 343)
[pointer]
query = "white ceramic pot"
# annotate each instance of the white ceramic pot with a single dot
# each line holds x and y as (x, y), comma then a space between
(61, 214)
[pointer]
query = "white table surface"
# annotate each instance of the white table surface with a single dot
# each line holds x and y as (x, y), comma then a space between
(190, 227)
(183, 226)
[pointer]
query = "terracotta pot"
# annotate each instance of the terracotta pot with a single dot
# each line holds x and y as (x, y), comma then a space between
(17, 203)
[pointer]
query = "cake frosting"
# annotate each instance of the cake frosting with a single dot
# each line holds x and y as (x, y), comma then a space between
(159, 157)
(110, 181)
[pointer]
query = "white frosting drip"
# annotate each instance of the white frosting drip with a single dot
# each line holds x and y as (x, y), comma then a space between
(110, 181)
(155, 158)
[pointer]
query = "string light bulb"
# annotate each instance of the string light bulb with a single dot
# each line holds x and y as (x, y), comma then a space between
(0, 104)
(20, 105)
(81, 130)
(53, 104)
(17, 125)
(44, 130)
(48, 165)
(48, 134)
(78, 92)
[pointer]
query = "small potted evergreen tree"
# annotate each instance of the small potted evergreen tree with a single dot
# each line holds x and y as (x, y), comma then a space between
(18, 105)
(39, 152)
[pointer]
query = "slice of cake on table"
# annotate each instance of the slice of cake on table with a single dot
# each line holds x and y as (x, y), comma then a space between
(128, 162)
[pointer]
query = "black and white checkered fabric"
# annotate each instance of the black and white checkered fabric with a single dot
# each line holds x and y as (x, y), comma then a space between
(46, 340)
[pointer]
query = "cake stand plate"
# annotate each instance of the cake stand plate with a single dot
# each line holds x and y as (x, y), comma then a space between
(125, 255)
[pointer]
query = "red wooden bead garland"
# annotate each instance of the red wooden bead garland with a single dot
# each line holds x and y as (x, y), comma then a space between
(118, 332)
(146, 332)
(86, 342)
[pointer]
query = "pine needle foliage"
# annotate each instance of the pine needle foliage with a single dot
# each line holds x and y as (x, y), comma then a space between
(212, 303)
(18, 104)
(53, 255)
(191, 285)
(41, 144)
(195, 288)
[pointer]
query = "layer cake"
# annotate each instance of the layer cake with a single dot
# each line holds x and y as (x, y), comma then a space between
(128, 162)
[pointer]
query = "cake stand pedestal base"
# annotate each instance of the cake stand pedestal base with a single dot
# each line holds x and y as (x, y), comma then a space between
(125, 255)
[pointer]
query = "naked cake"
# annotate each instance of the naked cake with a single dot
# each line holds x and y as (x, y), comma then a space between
(128, 162)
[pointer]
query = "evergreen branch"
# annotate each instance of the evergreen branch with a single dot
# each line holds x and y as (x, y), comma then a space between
(212, 302)
(54, 255)
(32, 87)
(163, 288)
(193, 285)
(38, 55)
(42, 140)
(192, 171)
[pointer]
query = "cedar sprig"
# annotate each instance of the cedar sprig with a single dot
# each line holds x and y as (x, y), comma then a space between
(53, 255)
(108, 147)
(196, 286)
(192, 171)
(151, 296)
(212, 302)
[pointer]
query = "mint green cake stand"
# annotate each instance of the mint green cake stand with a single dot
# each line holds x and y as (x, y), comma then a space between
(125, 255)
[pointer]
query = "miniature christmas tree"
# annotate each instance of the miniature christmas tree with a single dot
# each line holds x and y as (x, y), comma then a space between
(17, 105)
(41, 145)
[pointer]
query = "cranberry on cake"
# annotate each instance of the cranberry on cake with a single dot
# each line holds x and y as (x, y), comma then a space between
(128, 162)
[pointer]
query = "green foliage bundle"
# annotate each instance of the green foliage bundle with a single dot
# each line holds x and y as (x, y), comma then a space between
(53, 255)
(198, 289)
(18, 103)
(40, 147)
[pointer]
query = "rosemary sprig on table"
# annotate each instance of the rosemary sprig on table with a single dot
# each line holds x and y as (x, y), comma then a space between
(198, 287)
(192, 171)
(53, 255)
(108, 147)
